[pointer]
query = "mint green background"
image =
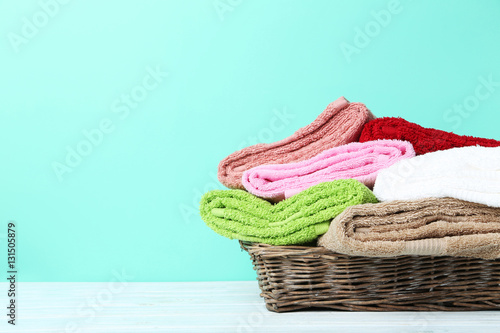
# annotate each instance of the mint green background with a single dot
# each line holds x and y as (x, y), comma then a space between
(131, 204)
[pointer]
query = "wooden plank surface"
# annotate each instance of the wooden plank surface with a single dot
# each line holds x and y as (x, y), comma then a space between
(204, 307)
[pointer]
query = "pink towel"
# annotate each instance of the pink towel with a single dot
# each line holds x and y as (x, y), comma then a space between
(361, 161)
(340, 123)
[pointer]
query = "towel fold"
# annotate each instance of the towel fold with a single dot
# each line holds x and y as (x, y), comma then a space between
(360, 161)
(468, 173)
(430, 226)
(237, 214)
(340, 123)
(424, 140)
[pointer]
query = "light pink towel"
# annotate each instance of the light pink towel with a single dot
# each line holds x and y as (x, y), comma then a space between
(340, 123)
(361, 161)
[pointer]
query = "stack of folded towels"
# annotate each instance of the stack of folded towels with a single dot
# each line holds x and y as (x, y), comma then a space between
(363, 186)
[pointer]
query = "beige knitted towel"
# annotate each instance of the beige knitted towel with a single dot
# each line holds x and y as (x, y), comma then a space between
(431, 226)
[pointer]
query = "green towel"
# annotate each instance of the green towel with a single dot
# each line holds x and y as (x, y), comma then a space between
(237, 214)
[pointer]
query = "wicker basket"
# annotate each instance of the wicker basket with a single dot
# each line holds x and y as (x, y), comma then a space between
(299, 277)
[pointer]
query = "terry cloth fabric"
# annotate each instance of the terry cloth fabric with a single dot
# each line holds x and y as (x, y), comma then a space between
(340, 123)
(430, 226)
(361, 161)
(237, 214)
(468, 173)
(424, 140)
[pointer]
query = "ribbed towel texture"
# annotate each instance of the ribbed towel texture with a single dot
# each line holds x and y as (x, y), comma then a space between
(431, 226)
(360, 161)
(340, 123)
(424, 140)
(468, 173)
(237, 214)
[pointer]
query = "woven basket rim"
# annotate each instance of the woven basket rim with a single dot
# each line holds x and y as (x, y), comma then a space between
(269, 251)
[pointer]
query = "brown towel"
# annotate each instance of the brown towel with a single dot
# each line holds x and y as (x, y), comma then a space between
(431, 226)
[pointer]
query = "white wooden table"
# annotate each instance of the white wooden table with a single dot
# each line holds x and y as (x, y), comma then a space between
(204, 307)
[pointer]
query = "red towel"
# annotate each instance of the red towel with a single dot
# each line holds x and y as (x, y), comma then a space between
(424, 140)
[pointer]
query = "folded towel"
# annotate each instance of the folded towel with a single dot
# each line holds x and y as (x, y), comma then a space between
(340, 123)
(237, 214)
(468, 173)
(430, 226)
(424, 140)
(361, 161)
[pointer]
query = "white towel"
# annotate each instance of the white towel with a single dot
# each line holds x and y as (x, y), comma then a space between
(469, 173)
